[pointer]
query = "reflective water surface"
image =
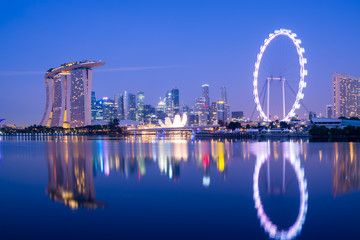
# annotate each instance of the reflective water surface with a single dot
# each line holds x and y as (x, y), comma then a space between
(144, 188)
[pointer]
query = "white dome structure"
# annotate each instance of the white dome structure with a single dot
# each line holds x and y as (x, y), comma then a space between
(178, 121)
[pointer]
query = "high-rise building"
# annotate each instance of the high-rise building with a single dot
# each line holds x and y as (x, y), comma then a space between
(223, 94)
(205, 95)
(199, 111)
(93, 106)
(328, 111)
(140, 102)
(160, 110)
(345, 95)
(68, 95)
(119, 104)
(221, 111)
(175, 101)
(168, 103)
(129, 106)
(214, 112)
(149, 113)
(312, 115)
(109, 109)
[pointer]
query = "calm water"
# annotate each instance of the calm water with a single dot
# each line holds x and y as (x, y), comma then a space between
(79, 187)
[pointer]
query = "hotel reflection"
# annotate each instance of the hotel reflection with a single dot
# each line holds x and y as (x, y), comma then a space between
(70, 175)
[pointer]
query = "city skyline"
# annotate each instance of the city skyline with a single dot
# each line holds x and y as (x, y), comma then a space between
(186, 53)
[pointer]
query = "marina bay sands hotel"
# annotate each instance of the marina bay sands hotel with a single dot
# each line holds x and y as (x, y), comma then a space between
(68, 95)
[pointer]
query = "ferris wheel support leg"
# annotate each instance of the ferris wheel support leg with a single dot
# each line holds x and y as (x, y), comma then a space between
(268, 98)
(283, 93)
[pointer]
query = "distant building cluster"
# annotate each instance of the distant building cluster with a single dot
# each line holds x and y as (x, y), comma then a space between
(132, 108)
(70, 102)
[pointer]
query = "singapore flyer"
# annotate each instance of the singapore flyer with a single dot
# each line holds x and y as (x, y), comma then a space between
(299, 79)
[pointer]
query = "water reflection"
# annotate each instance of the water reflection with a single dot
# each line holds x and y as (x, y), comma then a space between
(205, 172)
(290, 151)
(346, 168)
(70, 175)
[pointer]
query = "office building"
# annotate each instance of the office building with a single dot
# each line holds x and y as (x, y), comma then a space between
(328, 111)
(175, 101)
(205, 95)
(199, 111)
(68, 95)
(109, 109)
(129, 106)
(223, 94)
(345, 95)
(214, 118)
(312, 115)
(140, 103)
(221, 111)
(119, 104)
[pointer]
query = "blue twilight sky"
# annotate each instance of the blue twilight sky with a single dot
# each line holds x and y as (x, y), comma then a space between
(152, 46)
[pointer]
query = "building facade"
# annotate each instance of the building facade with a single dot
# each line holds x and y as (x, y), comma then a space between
(345, 95)
(329, 111)
(68, 95)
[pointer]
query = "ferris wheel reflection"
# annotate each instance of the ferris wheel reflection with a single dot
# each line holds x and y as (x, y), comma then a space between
(290, 155)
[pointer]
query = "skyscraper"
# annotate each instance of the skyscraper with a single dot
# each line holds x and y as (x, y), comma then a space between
(168, 103)
(214, 112)
(175, 100)
(129, 106)
(161, 110)
(205, 95)
(109, 109)
(119, 104)
(221, 111)
(199, 111)
(328, 111)
(223, 94)
(223, 97)
(345, 95)
(140, 102)
(68, 95)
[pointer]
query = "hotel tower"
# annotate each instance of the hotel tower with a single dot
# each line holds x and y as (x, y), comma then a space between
(68, 95)
(345, 95)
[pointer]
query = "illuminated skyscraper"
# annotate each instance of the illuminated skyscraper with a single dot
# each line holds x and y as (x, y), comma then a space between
(140, 103)
(119, 103)
(205, 94)
(214, 112)
(175, 100)
(329, 111)
(223, 94)
(223, 97)
(68, 95)
(129, 106)
(345, 95)
(199, 111)
(221, 111)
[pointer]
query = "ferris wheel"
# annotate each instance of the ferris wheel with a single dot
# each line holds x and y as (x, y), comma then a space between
(302, 84)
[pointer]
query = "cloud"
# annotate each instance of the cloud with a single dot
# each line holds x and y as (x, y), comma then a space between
(127, 69)
(118, 69)
(16, 73)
